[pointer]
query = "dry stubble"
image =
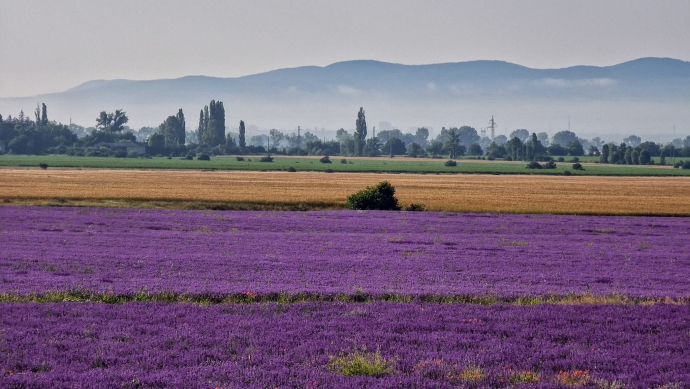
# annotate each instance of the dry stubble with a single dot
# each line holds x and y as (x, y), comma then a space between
(475, 193)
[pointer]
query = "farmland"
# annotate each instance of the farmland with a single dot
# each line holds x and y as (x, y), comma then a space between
(309, 345)
(304, 190)
(222, 255)
(356, 165)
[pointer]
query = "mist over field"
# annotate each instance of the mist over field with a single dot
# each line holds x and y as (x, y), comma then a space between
(645, 97)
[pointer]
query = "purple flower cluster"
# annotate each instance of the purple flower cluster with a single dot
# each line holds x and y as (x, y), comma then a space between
(150, 345)
(125, 251)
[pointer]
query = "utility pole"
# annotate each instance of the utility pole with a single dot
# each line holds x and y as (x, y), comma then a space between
(492, 125)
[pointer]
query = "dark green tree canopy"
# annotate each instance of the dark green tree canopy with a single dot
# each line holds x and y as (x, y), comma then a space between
(243, 135)
(563, 137)
(380, 197)
(360, 132)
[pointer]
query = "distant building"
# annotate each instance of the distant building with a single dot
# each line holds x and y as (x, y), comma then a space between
(127, 146)
(385, 126)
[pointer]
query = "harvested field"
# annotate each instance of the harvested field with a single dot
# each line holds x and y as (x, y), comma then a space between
(310, 190)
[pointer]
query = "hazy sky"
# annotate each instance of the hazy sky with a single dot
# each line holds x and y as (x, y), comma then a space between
(50, 46)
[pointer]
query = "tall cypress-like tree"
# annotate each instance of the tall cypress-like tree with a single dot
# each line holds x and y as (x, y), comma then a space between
(44, 114)
(360, 133)
(201, 130)
(216, 123)
(182, 129)
(243, 139)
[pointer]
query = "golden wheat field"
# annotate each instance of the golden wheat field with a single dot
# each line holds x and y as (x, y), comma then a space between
(475, 193)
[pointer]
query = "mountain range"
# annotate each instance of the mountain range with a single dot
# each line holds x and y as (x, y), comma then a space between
(643, 96)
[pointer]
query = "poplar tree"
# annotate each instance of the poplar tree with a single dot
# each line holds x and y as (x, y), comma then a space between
(44, 114)
(243, 139)
(201, 130)
(360, 132)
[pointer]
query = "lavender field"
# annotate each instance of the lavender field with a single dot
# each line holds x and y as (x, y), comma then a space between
(341, 300)
(150, 345)
(219, 253)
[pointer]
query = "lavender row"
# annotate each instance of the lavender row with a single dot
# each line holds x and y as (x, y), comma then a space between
(123, 251)
(73, 345)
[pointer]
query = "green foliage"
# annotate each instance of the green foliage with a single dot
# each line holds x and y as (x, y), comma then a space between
(43, 166)
(550, 164)
(343, 161)
(415, 151)
(578, 166)
(567, 173)
(360, 132)
(361, 363)
(645, 157)
(379, 197)
(173, 130)
(325, 159)
(415, 207)
(450, 163)
(239, 159)
(203, 157)
(475, 149)
(534, 165)
(394, 146)
(291, 169)
(243, 136)
(266, 159)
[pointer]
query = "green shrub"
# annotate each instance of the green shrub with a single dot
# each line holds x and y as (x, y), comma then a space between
(361, 364)
(567, 173)
(450, 162)
(291, 169)
(686, 165)
(239, 159)
(343, 161)
(133, 154)
(534, 165)
(578, 166)
(561, 159)
(575, 159)
(266, 159)
(329, 171)
(325, 159)
(549, 165)
(415, 207)
(203, 157)
(379, 197)
(119, 153)
(43, 166)
(189, 157)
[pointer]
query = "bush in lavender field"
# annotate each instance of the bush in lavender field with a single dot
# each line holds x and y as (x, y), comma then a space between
(380, 197)
(325, 159)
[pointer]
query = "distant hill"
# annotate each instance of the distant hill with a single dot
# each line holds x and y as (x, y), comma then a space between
(638, 96)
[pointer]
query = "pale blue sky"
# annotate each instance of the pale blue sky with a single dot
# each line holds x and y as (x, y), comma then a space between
(50, 46)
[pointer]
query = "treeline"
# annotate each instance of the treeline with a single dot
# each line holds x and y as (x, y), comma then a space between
(111, 137)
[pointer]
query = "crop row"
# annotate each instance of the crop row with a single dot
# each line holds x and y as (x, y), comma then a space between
(407, 255)
(338, 345)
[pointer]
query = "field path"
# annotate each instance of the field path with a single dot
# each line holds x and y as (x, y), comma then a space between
(467, 193)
